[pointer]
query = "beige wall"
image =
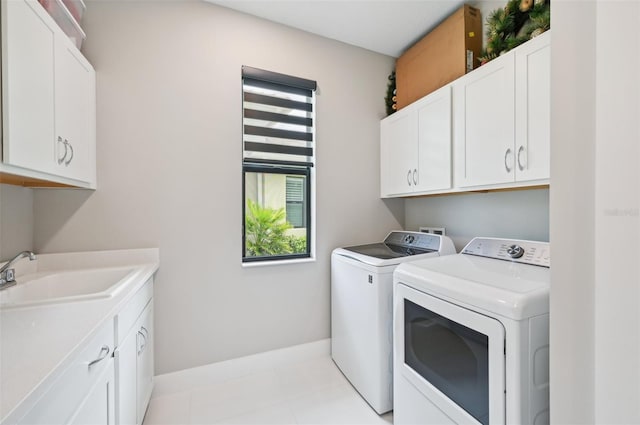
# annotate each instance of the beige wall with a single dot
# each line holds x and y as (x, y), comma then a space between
(522, 214)
(16, 220)
(169, 171)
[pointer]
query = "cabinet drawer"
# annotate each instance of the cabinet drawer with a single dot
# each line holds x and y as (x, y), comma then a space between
(60, 402)
(130, 313)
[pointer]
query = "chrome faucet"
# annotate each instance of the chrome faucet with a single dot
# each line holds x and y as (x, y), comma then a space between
(7, 274)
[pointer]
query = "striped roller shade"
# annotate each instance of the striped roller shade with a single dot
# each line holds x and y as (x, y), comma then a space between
(278, 114)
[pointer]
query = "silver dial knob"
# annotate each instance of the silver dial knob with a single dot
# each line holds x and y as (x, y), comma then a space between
(515, 251)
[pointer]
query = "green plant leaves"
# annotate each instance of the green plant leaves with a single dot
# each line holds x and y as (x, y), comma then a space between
(265, 232)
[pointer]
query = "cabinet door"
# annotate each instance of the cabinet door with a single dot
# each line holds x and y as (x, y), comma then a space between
(533, 103)
(434, 141)
(75, 113)
(484, 129)
(98, 407)
(28, 48)
(145, 360)
(125, 358)
(398, 152)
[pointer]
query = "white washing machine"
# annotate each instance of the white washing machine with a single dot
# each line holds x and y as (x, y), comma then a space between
(471, 336)
(362, 309)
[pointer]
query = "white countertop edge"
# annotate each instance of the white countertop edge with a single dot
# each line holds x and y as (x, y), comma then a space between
(12, 409)
(88, 259)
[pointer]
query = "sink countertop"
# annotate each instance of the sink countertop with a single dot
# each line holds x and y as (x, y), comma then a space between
(37, 343)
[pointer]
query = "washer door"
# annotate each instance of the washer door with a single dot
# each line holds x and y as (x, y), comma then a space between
(452, 355)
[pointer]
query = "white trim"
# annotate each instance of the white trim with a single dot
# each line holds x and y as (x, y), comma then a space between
(278, 262)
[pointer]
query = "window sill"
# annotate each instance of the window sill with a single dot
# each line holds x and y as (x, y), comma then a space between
(278, 262)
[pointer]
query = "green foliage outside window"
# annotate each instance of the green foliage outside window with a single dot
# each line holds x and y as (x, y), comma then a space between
(265, 230)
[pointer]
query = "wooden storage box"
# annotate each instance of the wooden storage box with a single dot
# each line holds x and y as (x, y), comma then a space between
(449, 51)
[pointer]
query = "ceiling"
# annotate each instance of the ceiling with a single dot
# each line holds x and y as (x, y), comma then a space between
(384, 26)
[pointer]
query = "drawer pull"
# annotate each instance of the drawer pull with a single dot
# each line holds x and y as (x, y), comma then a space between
(142, 343)
(104, 352)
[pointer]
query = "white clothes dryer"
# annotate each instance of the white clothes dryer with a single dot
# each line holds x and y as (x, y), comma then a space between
(362, 308)
(471, 336)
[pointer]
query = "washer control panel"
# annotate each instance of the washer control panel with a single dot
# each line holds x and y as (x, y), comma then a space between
(519, 251)
(425, 241)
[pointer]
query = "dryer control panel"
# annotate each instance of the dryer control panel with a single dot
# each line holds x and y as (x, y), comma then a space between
(519, 251)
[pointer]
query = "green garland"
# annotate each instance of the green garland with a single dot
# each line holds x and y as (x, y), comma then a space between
(517, 22)
(390, 99)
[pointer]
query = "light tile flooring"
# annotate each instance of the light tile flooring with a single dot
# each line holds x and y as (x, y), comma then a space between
(297, 385)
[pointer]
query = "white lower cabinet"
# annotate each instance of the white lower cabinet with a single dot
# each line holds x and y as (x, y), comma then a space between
(111, 380)
(134, 358)
(98, 407)
(84, 393)
(126, 365)
(144, 361)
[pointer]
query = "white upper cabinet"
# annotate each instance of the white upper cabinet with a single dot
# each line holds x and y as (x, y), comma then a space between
(502, 116)
(434, 141)
(48, 93)
(75, 114)
(533, 114)
(489, 129)
(484, 125)
(415, 147)
(28, 87)
(398, 152)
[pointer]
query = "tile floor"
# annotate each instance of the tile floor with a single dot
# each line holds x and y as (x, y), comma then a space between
(298, 385)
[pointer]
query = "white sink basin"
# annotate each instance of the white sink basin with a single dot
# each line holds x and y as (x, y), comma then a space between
(64, 286)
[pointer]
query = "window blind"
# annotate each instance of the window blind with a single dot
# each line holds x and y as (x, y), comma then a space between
(278, 115)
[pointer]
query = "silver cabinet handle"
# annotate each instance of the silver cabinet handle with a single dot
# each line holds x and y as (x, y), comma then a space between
(520, 151)
(66, 163)
(143, 342)
(409, 177)
(146, 332)
(61, 160)
(415, 176)
(104, 352)
(506, 166)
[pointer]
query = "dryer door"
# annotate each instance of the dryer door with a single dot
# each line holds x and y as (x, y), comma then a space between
(453, 356)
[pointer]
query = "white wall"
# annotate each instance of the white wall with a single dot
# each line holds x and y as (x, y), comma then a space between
(572, 207)
(522, 214)
(16, 220)
(595, 228)
(617, 213)
(169, 171)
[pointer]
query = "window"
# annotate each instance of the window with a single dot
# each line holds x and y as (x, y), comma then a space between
(296, 201)
(277, 165)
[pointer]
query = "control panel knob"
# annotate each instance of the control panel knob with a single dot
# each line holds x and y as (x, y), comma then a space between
(515, 251)
(409, 239)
